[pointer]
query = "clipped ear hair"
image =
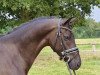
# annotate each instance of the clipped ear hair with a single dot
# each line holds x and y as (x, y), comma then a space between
(70, 21)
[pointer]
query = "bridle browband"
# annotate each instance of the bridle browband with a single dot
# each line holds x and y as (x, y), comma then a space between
(65, 51)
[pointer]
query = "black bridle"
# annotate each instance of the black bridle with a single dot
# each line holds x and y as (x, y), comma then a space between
(65, 51)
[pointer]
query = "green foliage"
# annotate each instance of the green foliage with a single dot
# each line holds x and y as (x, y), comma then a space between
(15, 12)
(7, 29)
(90, 30)
(24, 10)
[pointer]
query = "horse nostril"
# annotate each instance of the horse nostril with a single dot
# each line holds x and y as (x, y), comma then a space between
(78, 65)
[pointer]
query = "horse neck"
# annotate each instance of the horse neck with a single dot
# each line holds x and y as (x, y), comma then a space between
(31, 40)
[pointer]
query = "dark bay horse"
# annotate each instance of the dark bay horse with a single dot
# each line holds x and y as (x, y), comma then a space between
(20, 47)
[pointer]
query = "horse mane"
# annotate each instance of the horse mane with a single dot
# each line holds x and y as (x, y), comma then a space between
(33, 20)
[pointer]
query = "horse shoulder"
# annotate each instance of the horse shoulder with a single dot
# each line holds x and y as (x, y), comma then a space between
(11, 63)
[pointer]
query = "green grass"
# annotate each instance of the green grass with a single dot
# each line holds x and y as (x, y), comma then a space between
(88, 41)
(48, 63)
(88, 47)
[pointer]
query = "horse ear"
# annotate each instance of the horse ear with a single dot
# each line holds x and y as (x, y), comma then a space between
(69, 22)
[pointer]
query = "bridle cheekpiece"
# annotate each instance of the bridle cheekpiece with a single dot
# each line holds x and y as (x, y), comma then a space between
(65, 51)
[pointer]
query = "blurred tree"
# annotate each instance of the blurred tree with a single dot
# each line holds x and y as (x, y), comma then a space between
(14, 12)
(90, 30)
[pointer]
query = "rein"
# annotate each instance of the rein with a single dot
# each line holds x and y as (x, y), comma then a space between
(65, 51)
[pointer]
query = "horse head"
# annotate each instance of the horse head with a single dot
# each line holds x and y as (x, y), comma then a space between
(62, 42)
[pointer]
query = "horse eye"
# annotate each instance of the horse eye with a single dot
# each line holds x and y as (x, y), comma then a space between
(66, 37)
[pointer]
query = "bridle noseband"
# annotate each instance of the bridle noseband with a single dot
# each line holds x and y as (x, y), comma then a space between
(68, 51)
(65, 51)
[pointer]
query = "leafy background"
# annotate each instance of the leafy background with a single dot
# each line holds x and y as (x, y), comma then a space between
(15, 12)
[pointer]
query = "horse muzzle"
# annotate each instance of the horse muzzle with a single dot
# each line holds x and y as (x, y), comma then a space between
(75, 63)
